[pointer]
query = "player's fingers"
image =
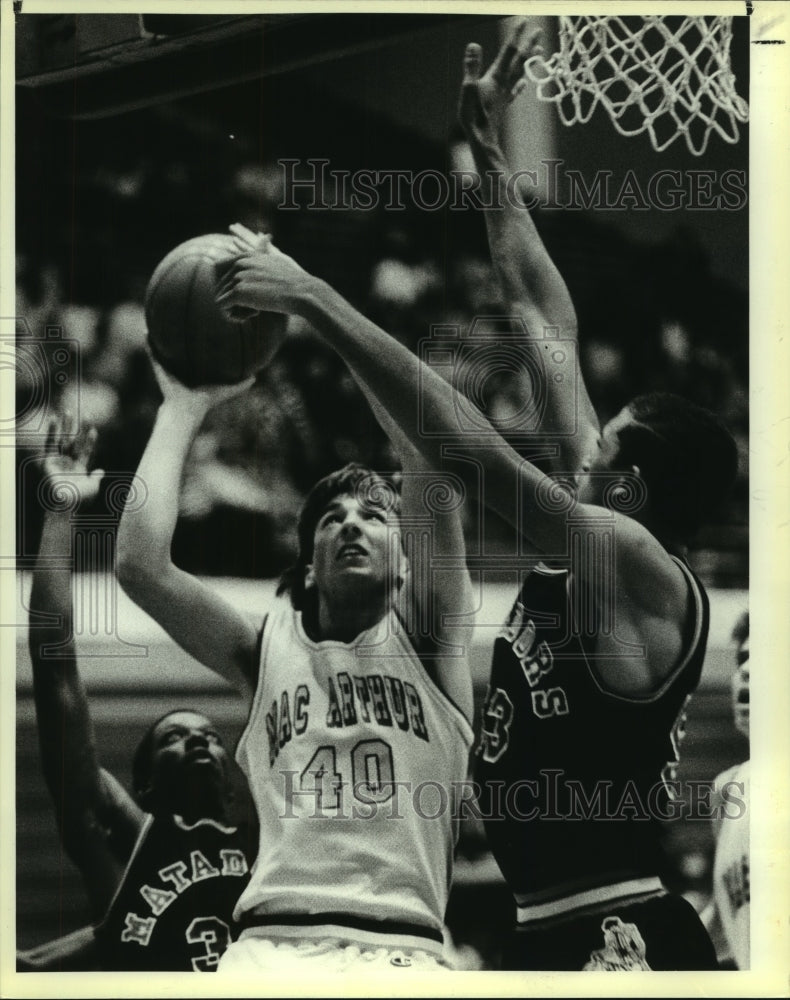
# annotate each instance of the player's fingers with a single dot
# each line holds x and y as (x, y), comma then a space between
(159, 372)
(240, 314)
(508, 53)
(473, 57)
(517, 70)
(77, 444)
(255, 242)
(229, 280)
(240, 245)
(228, 302)
(242, 233)
(67, 426)
(225, 294)
(85, 445)
(228, 391)
(520, 85)
(518, 33)
(241, 295)
(50, 443)
(226, 297)
(518, 52)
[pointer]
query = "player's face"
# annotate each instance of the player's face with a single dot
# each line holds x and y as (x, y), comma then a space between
(602, 458)
(352, 542)
(187, 748)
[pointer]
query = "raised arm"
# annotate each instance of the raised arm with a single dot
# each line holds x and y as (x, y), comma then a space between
(97, 819)
(533, 287)
(192, 613)
(437, 595)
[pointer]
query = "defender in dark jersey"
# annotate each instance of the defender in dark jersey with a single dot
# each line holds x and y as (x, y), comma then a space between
(174, 906)
(607, 638)
(163, 868)
(591, 674)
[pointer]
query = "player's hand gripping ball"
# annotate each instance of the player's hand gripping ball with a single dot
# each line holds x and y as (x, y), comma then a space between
(189, 334)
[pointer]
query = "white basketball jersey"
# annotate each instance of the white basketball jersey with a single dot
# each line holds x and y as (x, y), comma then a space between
(353, 757)
(731, 890)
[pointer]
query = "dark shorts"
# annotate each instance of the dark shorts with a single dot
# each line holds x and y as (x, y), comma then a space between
(663, 933)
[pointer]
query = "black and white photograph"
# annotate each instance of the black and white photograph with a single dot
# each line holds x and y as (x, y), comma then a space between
(394, 467)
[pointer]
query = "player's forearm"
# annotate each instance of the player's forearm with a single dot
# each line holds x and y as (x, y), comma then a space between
(539, 297)
(388, 370)
(66, 739)
(68, 751)
(50, 596)
(527, 273)
(403, 444)
(61, 708)
(145, 533)
(437, 595)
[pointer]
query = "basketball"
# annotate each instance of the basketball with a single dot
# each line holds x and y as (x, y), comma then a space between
(189, 334)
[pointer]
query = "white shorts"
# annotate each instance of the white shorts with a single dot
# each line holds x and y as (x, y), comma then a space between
(254, 953)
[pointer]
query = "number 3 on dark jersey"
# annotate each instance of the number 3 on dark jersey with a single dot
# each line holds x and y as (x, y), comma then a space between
(495, 729)
(212, 936)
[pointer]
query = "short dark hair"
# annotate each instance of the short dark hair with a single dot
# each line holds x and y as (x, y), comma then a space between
(686, 457)
(353, 479)
(143, 760)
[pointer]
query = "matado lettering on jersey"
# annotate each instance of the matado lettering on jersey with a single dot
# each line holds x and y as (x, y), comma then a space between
(373, 698)
(177, 878)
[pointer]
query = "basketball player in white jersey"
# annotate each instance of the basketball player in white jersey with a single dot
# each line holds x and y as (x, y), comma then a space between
(727, 914)
(359, 699)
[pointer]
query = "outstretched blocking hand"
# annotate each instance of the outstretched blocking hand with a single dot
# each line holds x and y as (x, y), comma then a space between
(483, 99)
(67, 453)
(246, 241)
(262, 279)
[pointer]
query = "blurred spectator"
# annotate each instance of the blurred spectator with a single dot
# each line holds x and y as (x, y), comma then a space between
(727, 914)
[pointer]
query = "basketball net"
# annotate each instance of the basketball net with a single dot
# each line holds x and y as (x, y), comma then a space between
(650, 78)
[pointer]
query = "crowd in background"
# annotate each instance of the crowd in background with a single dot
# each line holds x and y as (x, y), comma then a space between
(259, 453)
(652, 315)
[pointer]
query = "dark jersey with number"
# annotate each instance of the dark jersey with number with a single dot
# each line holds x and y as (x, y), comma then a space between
(575, 779)
(173, 909)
